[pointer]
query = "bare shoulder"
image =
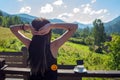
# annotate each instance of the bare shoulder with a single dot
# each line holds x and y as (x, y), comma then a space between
(58, 42)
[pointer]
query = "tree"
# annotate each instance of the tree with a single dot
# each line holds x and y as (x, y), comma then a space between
(1, 13)
(58, 31)
(1, 16)
(98, 34)
(77, 34)
(10, 20)
(4, 22)
(114, 48)
(16, 20)
(85, 32)
(1, 20)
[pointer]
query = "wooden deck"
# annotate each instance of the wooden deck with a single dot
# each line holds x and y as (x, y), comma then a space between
(17, 65)
(68, 74)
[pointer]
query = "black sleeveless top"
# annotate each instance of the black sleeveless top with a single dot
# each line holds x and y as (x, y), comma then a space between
(40, 56)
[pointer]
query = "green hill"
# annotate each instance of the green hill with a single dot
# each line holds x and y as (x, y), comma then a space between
(8, 42)
(68, 53)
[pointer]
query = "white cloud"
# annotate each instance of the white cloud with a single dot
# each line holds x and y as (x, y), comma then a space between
(20, 0)
(105, 10)
(65, 6)
(87, 14)
(101, 11)
(26, 9)
(87, 9)
(46, 9)
(101, 17)
(76, 10)
(58, 2)
(82, 5)
(93, 1)
(65, 15)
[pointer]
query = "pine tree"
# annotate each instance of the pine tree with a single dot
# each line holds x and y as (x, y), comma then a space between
(114, 47)
(1, 20)
(98, 32)
(1, 13)
(99, 35)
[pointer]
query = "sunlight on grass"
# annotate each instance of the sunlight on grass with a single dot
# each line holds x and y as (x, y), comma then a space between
(67, 55)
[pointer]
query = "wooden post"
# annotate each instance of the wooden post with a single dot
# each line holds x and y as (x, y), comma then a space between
(2, 64)
(25, 56)
(2, 75)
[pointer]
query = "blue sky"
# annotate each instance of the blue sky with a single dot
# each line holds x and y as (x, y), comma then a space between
(84, 11)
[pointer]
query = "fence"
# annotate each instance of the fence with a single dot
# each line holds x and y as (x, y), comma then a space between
(17, 67)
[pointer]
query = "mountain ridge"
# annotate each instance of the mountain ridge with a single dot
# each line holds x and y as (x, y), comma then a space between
(110, 27)
(28, 18)
(113, 26)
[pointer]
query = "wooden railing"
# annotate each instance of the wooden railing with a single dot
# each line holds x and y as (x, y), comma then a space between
(66, 74)
(15, 59)
(17, 64)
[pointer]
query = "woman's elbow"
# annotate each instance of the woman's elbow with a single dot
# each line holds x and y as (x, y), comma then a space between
(12, 28)
(75, 27)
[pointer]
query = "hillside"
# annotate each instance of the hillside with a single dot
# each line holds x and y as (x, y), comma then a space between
(68, 53)
(113, 26)
(8, 41)
(29, 18)
(25, 17)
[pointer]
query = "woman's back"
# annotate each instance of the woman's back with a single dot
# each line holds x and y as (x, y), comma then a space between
(40, 57)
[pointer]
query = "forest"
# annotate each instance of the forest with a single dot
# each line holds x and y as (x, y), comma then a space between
(98, 49)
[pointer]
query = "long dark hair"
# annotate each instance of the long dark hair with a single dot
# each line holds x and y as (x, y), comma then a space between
(39, 47)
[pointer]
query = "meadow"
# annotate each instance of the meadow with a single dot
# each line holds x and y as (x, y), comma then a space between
(67, 55)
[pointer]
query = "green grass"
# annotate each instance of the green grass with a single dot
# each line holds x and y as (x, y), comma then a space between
(5, 33)
(8, 41)
(68, 53)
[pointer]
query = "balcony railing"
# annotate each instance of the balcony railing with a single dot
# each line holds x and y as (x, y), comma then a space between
(17, 68)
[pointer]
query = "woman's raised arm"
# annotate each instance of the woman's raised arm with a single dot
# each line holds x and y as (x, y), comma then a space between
(70, 29)
(15, 29)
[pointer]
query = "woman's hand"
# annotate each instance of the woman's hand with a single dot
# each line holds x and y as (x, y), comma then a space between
(44, 30)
